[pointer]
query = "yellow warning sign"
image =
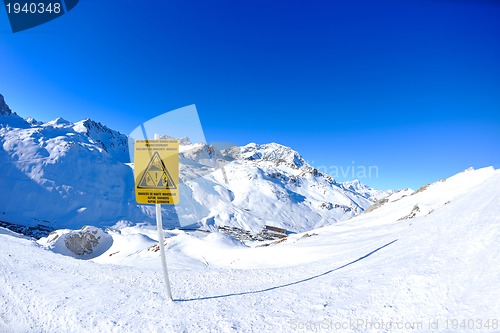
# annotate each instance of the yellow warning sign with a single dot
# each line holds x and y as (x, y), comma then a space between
(156, 171)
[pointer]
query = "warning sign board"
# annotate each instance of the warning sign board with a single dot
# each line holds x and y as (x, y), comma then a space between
(156, 171)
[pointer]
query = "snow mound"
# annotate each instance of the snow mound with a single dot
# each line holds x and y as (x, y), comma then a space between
(86, 243)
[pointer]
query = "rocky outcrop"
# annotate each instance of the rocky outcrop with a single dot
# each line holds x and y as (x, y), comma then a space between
(4, 108)
(86, 243)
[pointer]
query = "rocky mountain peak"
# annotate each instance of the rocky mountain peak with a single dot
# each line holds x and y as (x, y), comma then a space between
(273, 152)
(9, 118)
(92, 125)
(4, 108)
(113, 142)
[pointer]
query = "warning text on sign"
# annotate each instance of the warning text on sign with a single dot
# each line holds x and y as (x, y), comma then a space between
(156, 171)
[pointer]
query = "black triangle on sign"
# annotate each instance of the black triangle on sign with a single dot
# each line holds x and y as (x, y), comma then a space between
(156, 175)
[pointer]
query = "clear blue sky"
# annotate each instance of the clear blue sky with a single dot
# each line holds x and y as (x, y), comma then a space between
(412, 87)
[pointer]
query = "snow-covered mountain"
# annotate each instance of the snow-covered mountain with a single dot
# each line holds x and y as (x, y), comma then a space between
(114, 143)
(423, 260)
(54, 174)
(65, 175)
(365, 190)
(272, 184)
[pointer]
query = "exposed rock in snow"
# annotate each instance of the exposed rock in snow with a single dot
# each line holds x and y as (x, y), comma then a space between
(86, 243)
(272, 152)
(4, 108)
(393, 196)
(113, 142)
(9, 118)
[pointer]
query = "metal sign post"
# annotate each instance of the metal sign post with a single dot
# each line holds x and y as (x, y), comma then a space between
(156, 174)
(161, 240)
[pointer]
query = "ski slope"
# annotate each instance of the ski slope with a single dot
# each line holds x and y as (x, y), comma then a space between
(381, 271)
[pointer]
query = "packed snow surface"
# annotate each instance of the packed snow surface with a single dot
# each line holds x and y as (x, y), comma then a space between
(386, 270)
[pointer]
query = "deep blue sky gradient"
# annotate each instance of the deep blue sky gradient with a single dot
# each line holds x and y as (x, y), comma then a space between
(412, 87)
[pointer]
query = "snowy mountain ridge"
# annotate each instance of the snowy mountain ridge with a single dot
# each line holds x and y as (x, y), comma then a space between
(273, 152)
(113, 142)
(365, 190)
(65, 175)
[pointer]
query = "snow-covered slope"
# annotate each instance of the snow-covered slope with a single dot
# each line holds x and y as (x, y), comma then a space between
(54, 174)
(67, 175)
(378, 272)
(267, 184)
(114, 143)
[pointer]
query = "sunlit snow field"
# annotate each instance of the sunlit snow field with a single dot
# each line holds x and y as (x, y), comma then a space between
(377, 272)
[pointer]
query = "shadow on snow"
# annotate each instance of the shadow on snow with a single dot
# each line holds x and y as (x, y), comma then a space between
(288, 284)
